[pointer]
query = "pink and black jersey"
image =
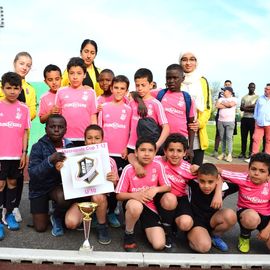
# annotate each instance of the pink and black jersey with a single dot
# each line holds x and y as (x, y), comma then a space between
(155, 110)
(115, 121)
(47, 101)
(178, 176)
(256, 197)
(155, 176)
(77, 106)
(14, 120)
(175, 109)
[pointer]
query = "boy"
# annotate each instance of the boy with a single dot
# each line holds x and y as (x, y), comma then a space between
(209, 223)
(93, 135)
(14, 125)
(45, 180)
(115, 120)
(138, 195)
(52, 77)
(178, 105)
(253, 200)
(143, 82)
(76, 103)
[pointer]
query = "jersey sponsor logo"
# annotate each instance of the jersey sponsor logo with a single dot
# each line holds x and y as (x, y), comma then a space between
(10, 124)
(115, 125)
(75, 105)
(254, 199)
(173, 111)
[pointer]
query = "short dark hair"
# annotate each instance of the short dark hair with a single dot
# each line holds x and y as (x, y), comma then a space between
(12, 78)
(121, 78)
(55, 116)
(50, 68)
(142, 140)
(76, 62)
(176, 138)
(228, 81)
(89, 41)
(94, 127)
(144, 73)
(175, 67)
(208, 169)
(260, 157)
(107, 70)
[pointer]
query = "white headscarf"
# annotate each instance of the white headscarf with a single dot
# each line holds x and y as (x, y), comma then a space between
(192, 85)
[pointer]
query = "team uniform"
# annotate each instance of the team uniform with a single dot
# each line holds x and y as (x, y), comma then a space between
(175, 109)
(77, 106)
(47, 101)
(130, 183)
(155, 111)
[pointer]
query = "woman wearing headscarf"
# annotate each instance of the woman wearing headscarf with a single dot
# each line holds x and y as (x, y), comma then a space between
(197, 86)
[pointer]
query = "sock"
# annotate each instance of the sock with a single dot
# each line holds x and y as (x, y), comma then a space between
(245, 233)
(10, 199)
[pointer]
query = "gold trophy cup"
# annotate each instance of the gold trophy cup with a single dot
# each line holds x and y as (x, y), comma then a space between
(87, 209)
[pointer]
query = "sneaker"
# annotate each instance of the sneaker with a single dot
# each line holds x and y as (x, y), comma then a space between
(218, 243)
(113, 220)
(214, 154)
(57, 227)
(16, 213)
(12, 224)
(243, 244)
(221, 156)
(247, 160)
(4, 213)
(2, 232)
(130, 243)
(170, 245)
(103, 234)
(229, 158)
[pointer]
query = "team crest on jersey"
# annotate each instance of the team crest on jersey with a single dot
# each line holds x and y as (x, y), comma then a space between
(265, 190)
(85, 96)
(181, 103)
(123, 116)
(18, 114)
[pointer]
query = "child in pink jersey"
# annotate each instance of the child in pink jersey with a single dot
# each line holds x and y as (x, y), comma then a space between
(77, 104)
(115, 120)
(143, 82)
(52, 77)
(94, 135)
(253, 200)
(14, 125)
(138, 196)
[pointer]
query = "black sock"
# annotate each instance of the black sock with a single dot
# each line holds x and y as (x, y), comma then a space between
(10, 199)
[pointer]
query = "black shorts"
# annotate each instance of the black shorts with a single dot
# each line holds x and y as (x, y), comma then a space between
(264, 219)
(148, 217)
(40, 205)
(131, 151)
(9, 169)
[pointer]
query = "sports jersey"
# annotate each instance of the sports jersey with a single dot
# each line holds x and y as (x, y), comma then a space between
(14, 120)
(103, 99)
(114, 167)
(177, 175)
(47, 101)
(175, 109)
(155, 110)
(77, 106)
(130, 183)
(256, 197)
(115, 121)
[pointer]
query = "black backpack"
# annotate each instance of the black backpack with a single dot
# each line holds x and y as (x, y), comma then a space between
(147, 127)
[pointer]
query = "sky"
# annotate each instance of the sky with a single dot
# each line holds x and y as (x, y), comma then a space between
(230, 38)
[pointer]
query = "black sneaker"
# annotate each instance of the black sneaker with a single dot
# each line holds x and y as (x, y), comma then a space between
(130, 243)
(170, 245)
(103, 234)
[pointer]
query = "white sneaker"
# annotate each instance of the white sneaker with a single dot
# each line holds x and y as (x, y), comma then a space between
(221, 156)
(16, 213)
(4, 212)
(247, 160)
(229, 158)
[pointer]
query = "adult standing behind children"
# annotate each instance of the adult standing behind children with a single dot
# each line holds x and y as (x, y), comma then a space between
(88, 54)
(197, 87)
(14, 126)
(76, 103)
(248, 103)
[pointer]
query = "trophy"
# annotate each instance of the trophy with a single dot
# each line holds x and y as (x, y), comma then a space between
(87, 209)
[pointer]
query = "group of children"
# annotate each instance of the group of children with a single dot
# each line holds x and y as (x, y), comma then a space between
(166, 193)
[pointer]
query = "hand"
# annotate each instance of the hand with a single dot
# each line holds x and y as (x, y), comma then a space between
(99, 108)
(264, 234)
(194, 126)
(142, 196)
(22, 161)
(59, 165)
(55, 110)
(139, 170)
(151, 192)
(113, 177)
(124, 154)
(56, 157)
(194, 169)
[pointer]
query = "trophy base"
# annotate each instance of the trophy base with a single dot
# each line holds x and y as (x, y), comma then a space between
(85, 247)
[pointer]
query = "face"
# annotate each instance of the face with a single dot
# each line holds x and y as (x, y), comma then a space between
(258, 172)
(119, 90)
(227, 84)
(93, 137)
(267, 91)
(88, 54)
(76, 76)
(23, 65)
(227, 93)
(145, 153)
(11, 92)
(105, 81)
(251, 88)
(174, 78)
(143, 86)
(207, 182)
(175, 153)
(188, 62)
(53, 80)
(56, 129)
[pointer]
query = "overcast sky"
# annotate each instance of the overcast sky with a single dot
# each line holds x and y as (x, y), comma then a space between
(231, 38)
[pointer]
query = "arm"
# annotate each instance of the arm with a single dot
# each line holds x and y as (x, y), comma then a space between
(164, 134)
(265, 233)
(139, 169)
(217, 199)
(24, 149)
(140, 196)
(54, 110)
(93, 119)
